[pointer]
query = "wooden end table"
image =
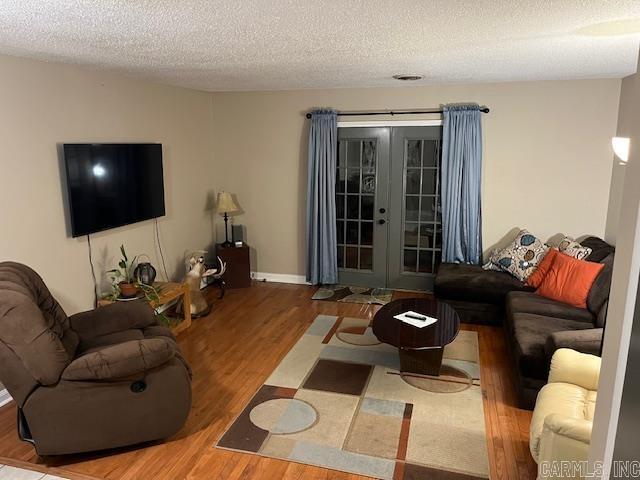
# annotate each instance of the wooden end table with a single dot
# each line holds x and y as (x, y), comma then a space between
(168, 291)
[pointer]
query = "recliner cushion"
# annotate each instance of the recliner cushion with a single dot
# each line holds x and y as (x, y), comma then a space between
(122, 360)
(98, 343)
(527, 302)
(530, 332)
(471, 283)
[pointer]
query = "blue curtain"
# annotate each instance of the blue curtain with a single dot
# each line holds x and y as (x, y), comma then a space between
(461, 183)
(322, 248)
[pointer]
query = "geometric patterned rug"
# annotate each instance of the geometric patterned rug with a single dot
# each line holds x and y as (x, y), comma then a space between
(337, 400)
(350, 294)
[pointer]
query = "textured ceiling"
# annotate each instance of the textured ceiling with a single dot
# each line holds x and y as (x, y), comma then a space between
(290, 44)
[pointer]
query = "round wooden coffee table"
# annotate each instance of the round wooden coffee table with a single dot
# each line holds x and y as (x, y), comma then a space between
(420, 348)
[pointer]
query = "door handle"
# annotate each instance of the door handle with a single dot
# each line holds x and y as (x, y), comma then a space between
(382, 221)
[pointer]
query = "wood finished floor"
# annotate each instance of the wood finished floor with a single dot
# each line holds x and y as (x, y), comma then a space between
(232, 352)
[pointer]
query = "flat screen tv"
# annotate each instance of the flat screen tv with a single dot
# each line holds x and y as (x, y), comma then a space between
(112, 184)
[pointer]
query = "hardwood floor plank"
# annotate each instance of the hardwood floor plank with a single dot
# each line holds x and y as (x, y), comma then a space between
(232, 352)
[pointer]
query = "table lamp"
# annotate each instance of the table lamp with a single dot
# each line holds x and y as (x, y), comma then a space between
(225, 206)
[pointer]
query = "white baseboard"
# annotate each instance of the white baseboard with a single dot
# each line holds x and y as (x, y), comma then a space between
(280, 278)
(4, 397)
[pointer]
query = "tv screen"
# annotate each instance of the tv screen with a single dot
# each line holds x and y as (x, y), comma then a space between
(110, 185)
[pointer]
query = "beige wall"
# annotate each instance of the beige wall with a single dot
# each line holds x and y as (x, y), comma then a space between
(547, 156)
(42, 105)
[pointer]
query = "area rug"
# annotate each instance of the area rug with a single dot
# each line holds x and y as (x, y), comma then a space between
(337, 401)
(350, 294)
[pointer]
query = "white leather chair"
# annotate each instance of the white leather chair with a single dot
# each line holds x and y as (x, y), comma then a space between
(563, 415)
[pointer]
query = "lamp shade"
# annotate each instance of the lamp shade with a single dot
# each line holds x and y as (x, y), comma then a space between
(226, 204)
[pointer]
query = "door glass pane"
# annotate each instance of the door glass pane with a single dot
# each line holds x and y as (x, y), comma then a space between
(430, 153)
(412, 181)
(353, 206)
(426, 235)
(340, 206)
(366, 259)
(411, 209)
(352, 233)
(340, 256)
(429, 177)
(368, 183)
(413, 153)
(340, 232)
(353, 154)
(425, 261)
(369, 156)
(428, 208)
(410, 234)
(366, 207)
(366, 233)
(340, 178)
(353, 181)
(438, 238)
(410, 260)
(351, 257)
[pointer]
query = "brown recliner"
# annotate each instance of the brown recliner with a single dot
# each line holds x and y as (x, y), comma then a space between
(101, 379)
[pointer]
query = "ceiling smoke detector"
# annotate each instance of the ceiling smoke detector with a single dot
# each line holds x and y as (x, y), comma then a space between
(408, 77)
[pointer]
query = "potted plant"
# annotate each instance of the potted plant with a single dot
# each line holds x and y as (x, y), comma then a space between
(122, 278)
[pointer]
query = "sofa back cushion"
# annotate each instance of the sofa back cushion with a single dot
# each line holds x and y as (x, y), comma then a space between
(569, 280)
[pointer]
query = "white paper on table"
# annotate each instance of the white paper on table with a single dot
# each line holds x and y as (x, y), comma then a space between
(414, 321)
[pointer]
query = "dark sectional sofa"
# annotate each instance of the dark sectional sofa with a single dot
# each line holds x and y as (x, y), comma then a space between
(534, 326)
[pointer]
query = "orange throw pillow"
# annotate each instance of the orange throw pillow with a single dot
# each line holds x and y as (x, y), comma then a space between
(535, 279)
(569, 280)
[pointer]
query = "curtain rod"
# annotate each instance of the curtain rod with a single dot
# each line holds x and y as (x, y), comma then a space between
(483, 109)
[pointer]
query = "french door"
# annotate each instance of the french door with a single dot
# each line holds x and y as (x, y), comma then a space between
(388, 206)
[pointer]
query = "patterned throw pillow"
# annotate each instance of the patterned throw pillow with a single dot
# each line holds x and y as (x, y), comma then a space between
(570, 247)
(521, 258)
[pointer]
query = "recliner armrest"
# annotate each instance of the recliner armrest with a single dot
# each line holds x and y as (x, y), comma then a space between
(584, 341)
(118, 316)
(121, 360)
(577, 429)
(569, 366)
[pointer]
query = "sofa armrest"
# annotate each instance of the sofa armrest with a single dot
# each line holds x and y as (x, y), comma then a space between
(569, 366)
(585, 341)
(121, 360)
(116, 317)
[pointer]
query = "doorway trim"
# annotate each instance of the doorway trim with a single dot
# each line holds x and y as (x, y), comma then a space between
(392, 123)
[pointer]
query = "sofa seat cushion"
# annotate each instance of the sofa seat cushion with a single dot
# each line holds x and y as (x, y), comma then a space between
(471, 283)
(568, 400)
(529, 302)
(529, 333)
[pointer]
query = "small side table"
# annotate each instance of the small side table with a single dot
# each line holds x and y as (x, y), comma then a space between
(168, 291)
(238, 274)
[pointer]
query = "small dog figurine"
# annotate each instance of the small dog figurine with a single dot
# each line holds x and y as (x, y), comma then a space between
(199, 306)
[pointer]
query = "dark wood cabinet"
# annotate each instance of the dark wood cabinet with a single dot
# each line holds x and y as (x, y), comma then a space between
(238, 274)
